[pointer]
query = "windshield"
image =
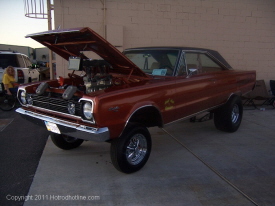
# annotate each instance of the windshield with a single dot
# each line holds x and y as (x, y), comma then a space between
(158, 62)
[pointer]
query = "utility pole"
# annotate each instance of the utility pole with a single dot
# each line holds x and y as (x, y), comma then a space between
(36, 9)
(49, 6)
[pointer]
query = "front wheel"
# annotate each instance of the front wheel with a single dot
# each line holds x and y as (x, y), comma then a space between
(130, 152)
(228, 118)
(65, 142)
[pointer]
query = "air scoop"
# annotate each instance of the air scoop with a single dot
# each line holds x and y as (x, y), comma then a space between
(42, 88)
(69, 92)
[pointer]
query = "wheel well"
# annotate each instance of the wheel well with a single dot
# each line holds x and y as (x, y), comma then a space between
(233, 95)
(148, 116)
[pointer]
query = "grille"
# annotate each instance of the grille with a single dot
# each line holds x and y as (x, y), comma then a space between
(55, 104)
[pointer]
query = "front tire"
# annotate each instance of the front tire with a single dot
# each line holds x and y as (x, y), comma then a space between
(228, 118)
(65, 142)
(130, 152)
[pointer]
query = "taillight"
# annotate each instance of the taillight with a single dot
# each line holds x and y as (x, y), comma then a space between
(20, 76)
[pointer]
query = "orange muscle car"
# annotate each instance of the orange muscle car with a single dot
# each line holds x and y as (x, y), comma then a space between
(114, 97)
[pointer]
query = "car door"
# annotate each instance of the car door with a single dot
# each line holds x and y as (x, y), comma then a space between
(194, 89)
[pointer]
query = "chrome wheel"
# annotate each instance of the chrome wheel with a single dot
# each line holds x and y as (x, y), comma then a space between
(136, 149)
(228, 117)
(235, 113)
(130, 152)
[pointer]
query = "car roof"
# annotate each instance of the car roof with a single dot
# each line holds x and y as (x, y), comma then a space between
(212, 53)
(10, 52)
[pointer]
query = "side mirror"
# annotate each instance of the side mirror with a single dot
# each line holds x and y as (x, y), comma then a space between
(191, 72)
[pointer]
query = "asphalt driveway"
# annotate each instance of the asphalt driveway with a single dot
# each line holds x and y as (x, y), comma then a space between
(21, 147)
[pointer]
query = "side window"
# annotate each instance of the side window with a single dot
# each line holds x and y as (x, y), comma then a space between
(192, 61)
(8, 60)
(20, 61)
(202, 63)
(208, 65)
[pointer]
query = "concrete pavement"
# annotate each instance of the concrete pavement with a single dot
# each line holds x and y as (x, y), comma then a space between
(194, 164)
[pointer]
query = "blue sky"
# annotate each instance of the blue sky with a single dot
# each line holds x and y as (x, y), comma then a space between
(15, 25)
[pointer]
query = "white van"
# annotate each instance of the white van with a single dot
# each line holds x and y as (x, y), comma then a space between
(21, 64)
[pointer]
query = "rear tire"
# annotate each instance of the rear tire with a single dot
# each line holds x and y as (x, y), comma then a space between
(130, 152)
(65, 142)
(228, 118)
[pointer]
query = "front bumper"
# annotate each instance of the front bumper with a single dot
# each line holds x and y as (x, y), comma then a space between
(68, 128)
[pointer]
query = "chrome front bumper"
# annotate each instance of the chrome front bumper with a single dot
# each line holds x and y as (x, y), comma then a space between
(71, 129)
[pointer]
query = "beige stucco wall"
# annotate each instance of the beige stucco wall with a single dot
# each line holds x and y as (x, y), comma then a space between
(242, 31)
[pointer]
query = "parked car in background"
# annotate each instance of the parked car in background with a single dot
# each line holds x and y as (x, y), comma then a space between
(21, 64)
(116, 98)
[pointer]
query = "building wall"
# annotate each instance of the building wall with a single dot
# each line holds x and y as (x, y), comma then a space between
(242, 31)
(42, 54)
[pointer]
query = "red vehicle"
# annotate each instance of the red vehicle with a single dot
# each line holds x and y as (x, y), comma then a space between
(116, 98)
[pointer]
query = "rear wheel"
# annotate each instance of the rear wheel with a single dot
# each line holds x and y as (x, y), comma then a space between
(65, 142)
(130, 152)
(228, 118)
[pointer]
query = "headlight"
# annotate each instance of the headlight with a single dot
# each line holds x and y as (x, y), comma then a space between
(88, 110)
(22, 97)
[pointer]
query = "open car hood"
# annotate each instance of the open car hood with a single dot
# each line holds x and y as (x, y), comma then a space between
(71, 42)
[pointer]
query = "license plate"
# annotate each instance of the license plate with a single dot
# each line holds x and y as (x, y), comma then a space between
(52, 127)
